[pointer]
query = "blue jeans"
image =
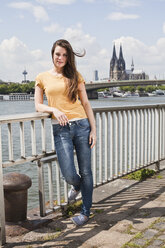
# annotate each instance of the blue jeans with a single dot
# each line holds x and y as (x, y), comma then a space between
(66, 138)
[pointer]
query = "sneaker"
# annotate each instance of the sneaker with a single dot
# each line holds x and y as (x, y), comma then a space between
(72, 195)
(80, 220)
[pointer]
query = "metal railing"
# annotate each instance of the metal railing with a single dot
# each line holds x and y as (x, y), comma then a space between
(128, 138)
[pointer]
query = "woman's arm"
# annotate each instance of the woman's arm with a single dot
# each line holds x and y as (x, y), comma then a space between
(40, 107)
(89, 112)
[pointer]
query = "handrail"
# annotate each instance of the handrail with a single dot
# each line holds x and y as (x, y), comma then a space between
(39, 115)
(23, 117)
(127, 107)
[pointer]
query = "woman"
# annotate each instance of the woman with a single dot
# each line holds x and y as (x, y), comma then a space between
(73, 122)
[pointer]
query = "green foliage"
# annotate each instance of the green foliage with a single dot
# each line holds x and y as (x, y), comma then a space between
(124, 88)
(141, 88)
(159, 176)
(130, 244)
(161, 87)
(99, 211)
(128, 88)
(17, 88)
(105, 89)
(150, 88)
(140, 174)
(73, 208)
(14, 88)
(3, 89)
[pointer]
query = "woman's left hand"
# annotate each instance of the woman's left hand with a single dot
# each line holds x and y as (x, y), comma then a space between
(92, 139)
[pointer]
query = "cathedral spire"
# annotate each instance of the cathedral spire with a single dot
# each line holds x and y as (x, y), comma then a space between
(121, 60)
(132, 65)
(114, 57)
(114, 65)
(121, 53)
(114, 52)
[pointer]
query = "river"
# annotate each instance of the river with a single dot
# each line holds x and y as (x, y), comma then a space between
(17, 107)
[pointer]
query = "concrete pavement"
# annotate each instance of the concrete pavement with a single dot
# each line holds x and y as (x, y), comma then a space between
(125, 213)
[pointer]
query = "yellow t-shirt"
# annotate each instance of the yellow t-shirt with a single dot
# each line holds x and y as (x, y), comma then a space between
(55, 90)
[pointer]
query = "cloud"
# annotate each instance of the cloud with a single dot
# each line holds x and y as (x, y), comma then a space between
(118, 16)
(125, 3)
(53, 28)
(77, 36)
(96, 58)
(37, 11)
(15, 56)
(63, 2)
(151, 59)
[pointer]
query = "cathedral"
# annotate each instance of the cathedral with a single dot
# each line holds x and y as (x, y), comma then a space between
(118, 69)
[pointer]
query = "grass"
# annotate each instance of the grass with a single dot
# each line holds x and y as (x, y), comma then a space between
(131, 244)
(138, 236)
(159, 177)
(50, 236)
(140, 175)
(99, 211)
(72, 209)
(129, 229)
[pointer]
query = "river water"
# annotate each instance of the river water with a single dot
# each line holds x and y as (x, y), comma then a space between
(17, 107)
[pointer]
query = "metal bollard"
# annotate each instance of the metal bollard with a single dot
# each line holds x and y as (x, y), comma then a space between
(15, 196)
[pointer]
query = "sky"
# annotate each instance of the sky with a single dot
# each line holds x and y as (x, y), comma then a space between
(28, 30)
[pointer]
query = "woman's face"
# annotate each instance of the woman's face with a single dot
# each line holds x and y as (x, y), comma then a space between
(60, 57)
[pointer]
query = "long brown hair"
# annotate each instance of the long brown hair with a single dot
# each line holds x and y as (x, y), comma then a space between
(69, 71)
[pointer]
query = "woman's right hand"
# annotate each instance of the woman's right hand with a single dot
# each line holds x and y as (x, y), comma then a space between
(61, 117)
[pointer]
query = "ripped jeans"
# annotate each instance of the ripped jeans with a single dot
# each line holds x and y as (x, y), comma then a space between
(75, 135)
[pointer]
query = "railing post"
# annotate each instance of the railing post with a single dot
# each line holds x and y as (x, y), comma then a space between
(111, 145)
(94, 163)
(43, 135)
(10, 141)
(22, 139)
(41, 188)
(58, 184)
(33, 138)
(2, 205)
(157, 165)
(50, 182)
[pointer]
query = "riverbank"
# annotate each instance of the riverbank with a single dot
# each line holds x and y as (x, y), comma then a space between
(124, 213)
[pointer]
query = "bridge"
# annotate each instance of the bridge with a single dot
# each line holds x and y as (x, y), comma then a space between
(92, 86)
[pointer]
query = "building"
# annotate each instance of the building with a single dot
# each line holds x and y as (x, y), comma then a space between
(118, 69)
(16, 97)
(96, 75)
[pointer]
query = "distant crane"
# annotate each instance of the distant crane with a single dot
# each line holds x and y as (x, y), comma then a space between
(24, 73)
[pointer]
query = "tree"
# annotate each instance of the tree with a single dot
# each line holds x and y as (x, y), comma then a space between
(150, 88)
(3, 89)
(141, 88)
(128, 88)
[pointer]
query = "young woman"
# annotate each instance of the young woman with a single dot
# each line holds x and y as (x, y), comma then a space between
(73, 122)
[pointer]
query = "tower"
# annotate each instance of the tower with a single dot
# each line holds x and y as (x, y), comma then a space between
(24, 73)
(114, 65)
(132, 65)
(121, 60)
